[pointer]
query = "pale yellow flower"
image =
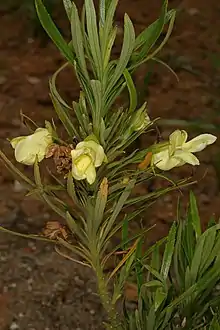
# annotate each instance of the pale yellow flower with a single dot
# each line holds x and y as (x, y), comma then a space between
(27, 148)
(178, 152)
(85, 158)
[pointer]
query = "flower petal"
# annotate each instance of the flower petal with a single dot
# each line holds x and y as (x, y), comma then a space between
(27, 148)
(76, 153)
(186, 157)
(16, 140)
(76, 174)
(90, 174)
(164, 162)
(199, 143)
(99, 157)
(177, 138)
(24, 155)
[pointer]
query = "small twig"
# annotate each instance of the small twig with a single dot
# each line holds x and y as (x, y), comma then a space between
(70, 258)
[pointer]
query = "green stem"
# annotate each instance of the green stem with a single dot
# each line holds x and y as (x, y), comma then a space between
(113, 317)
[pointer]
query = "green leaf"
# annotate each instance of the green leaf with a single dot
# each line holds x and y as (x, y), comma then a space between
(215, 325)
(197, 258)
(53, 32)
(127, 48)
(102, 12)
(150, 35)
(189, 240)
(132, 91)
(194, 215)
(54, 88)
(35, 237)
(63, 115)
(93, 37)
(160, 296)
(152, 55)
(151, 319)
(100, 204)
(179, 257)
(80, 117)
(68, 7)
(117, 209)
(154, 272)
(53, 206)
(107, 53)
(97, 93)
(168, 253)
(37, 175)
(153, 283)
(108, 34)
(72, 223)
(210, 242)
(138, 265)
(125, 233)
(78, 43)
(71, 189)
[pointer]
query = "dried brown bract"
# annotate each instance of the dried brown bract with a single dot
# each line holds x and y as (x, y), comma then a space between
(55, 229)
(62, 157)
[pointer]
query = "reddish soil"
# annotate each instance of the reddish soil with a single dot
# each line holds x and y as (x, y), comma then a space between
(38, 289)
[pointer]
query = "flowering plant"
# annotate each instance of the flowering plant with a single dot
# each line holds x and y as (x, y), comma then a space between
(94, 166)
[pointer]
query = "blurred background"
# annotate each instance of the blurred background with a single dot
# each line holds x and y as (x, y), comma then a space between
(38, 289)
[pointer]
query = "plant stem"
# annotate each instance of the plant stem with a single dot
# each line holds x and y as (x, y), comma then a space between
(113, 317)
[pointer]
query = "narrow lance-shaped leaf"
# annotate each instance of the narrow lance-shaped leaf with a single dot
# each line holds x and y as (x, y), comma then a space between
(169, 31)
(168, 253)
(100, 204)
(107, 37)
(78, 42)
(210, 242)
(93, 37)
(117, 209)
(125, 258)
(53, 31)
(194, 215)
(127, 48)
(102, 12)
(132, 90)
(107, 52)
(162, 44)
(63, 115)
(149, 36)
(71, 188)
(97, 92)
(197, 258)
(37, 175)
(54, 88)
(68, 7)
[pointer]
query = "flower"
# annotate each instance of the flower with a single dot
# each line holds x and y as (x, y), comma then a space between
(27, 148)
(85, 158)
(178, 152)
(140, 119)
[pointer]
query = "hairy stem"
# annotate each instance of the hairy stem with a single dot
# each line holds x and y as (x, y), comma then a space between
(113, 317)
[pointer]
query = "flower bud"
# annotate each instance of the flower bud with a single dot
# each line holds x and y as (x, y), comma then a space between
(140, 118)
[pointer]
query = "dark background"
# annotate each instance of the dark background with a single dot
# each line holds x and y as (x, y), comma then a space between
(38, 289)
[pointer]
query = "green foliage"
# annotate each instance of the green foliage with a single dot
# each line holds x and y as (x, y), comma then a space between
(181, 288)
(173, 290)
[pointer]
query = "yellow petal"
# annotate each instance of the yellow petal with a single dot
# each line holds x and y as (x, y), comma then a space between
(91, 174)
(199, 143)
(27, 148)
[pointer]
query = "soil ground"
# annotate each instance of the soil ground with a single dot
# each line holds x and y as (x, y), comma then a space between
(39, 290)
